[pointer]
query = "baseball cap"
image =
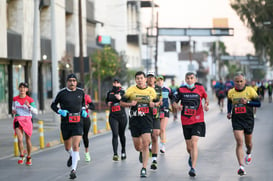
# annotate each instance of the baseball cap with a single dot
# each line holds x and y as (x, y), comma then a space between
(160, 77)
(116, 80)
(150, 73)
(23, 84)
(71, 76)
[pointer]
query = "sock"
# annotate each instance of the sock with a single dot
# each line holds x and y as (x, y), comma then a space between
(154, 157)
(75, 159)
(69, 151)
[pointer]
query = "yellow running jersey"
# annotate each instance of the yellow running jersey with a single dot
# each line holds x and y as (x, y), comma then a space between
(145, 95)
(241, 111)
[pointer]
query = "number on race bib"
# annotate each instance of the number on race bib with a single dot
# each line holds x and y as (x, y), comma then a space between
(240, 110)
(115, 108)
(189, 112)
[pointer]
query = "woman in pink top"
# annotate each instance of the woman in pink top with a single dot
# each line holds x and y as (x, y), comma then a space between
(22, 107)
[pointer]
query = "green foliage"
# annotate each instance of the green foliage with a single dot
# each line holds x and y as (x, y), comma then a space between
(257, 15)
(106, 63)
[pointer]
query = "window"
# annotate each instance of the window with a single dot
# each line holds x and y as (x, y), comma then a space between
(170, 46)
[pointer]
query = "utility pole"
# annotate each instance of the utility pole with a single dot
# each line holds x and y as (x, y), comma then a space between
(139, 28)
(36, 52)
(54, 61)
(80, 44)
(156, 45)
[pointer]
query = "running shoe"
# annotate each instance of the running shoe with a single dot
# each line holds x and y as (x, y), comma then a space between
(143, 172)
(154, 165)
(140, 157)
(87, 157)
(192, 172)
(248, 159)
(29, 161)
(241, 171)
(123, 156)
(115, 158)
(69, 161)
(189, 161)
(73, 174)
(162, 148)
(21, 160)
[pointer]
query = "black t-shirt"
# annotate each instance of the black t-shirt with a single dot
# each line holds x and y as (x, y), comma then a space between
(72, 101)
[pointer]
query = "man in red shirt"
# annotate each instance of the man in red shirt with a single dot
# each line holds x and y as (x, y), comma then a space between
(192, 115)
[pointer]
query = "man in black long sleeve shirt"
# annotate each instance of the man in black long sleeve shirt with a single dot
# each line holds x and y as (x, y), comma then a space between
(71, 108)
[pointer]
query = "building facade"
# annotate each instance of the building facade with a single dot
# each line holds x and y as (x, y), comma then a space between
(117, 19)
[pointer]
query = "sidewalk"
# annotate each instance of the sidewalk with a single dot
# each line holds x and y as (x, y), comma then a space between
(51, 132)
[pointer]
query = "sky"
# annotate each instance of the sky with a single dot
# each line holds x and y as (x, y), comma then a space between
(200, 13)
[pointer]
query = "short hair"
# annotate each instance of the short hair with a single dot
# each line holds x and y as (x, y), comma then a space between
(190, 73)
(140, 73)
(240, 74)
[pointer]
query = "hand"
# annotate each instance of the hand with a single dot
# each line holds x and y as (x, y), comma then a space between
(152, 104)
(206, 107)
(13, 111)
(118, 96)
(63, 113)
(133, 103)
(27, 103)
(109, 103)
(84, 114)
(229, 115)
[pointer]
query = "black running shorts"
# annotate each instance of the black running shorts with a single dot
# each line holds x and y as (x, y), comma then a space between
(140, 125)
(156, 123)
(246, 126)
(71, 129)
(197, 129)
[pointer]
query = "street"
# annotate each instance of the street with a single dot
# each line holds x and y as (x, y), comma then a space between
(216, 161)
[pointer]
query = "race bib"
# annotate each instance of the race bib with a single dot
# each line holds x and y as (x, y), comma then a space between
(189, 111)
(161, 115)
(240, 109)
(74, 117)
(154, 111)
(115, 108)
(143, 109)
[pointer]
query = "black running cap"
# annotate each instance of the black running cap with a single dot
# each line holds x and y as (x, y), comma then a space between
(23, 84)
(116, 80)
(71, 76)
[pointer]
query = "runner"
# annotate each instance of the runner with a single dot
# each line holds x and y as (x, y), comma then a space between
(86, 123)
(255, 87)
(117, 119)
(269, 90)
(173, 88)
(241, 100)
(164, 112)
(71, 108)
(220, 91)
(192, 116)
(156, 120)
(22, 107)
(261, 90)
(140, 98)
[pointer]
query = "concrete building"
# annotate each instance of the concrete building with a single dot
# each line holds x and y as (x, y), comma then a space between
(117, 19)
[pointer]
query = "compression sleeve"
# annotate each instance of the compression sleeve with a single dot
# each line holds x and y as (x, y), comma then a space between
(254, 103)
(229, 106)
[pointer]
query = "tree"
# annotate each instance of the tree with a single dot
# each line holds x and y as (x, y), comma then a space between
(257, 15)
(106, 63)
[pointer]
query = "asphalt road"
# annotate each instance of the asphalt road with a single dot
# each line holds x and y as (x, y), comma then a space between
(216, 162)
